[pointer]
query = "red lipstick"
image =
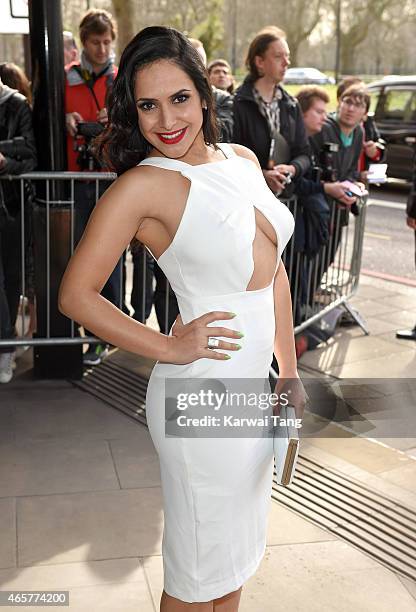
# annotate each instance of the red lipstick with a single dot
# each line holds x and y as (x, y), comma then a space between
(172, 137)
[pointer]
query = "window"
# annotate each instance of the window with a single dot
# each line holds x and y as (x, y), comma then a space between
(398, 104)
(375, 94)
(412, 108)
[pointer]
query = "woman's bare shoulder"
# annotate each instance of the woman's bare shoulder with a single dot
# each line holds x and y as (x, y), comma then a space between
(243, 151)
(139, 177)
(143, 184)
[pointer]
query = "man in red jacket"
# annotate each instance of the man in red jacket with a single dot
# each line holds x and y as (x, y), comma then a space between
(89, 80)
(87, 86)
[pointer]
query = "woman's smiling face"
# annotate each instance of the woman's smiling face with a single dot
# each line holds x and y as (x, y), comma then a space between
(169, 108)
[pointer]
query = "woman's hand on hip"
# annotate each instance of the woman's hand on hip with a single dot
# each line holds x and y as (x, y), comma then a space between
(189, 341)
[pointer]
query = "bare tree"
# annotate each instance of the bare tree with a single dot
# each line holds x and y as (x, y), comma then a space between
(298, 19)
(396, 47)
(357, 19)
(124, 12)
(211, 30)
(186, 14)
(376, 34)
(242, 19)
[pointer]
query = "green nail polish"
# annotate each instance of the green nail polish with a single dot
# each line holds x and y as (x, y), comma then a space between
(233, 313)
(227, 356)
(238, 346)
(240, 334)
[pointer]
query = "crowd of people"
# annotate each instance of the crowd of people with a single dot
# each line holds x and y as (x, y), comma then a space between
(289, 135)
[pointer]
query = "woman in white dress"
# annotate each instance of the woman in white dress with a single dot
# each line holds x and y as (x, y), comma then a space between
(206, 214)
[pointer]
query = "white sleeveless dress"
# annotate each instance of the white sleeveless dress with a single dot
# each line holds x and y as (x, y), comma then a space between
(217, 491)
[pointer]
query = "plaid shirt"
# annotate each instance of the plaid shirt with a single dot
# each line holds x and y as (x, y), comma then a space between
(271, 111)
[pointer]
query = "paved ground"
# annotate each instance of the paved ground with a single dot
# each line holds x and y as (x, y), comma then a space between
(81, 507)
(386, 307)
(388, 243)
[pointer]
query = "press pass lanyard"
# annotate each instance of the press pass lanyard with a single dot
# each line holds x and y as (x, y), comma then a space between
(90, 80)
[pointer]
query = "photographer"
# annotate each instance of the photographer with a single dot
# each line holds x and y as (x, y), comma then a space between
(321, 178)
(88, 83)
(343, 131)
(373, 151)
(17, 155)
(313, 221)
(337, 149)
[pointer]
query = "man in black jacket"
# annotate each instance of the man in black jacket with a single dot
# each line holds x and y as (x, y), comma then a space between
(315, 215)
(15, 158)
(267, 119)
(312, 189)
(313, 102)
(373, 145)
(344, 129)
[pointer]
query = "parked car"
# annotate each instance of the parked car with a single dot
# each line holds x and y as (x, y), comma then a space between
(303, 76)
(394, 106)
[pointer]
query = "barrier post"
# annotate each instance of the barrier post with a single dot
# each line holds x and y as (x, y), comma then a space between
(52, 250)
(50, 218)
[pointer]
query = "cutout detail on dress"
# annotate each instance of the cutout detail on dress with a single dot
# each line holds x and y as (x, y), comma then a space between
(263, 248)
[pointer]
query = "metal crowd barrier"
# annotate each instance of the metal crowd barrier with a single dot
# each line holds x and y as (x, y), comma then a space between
(319, 283)
(327, 279)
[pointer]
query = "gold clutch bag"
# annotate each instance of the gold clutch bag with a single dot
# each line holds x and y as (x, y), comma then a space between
(286, 446)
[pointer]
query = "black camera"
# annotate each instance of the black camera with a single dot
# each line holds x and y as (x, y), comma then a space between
(86, 132)
(326, 161)
(15, 148)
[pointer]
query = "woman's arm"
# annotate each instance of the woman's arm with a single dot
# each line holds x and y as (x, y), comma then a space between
(113, 223)
(288, 384)
(284, 342)
(115, 220)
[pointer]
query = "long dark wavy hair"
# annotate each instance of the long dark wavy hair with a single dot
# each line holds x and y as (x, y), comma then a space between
(122, 145)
